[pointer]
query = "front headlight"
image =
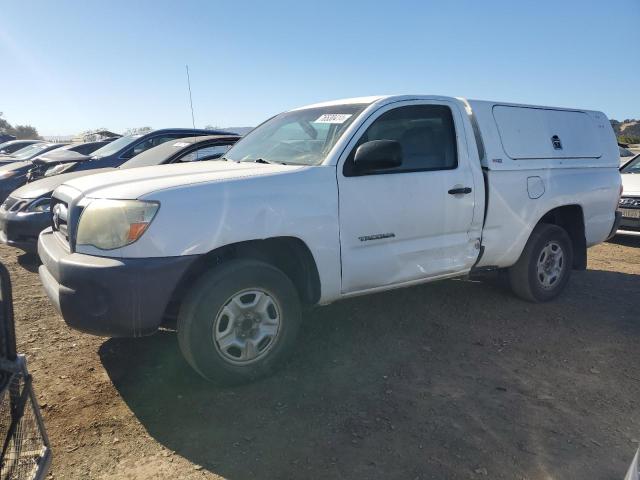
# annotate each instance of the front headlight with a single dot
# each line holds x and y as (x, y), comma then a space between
(109, 224)
(58, 169)
(39, 205)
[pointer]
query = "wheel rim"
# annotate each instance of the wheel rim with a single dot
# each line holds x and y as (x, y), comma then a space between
(247, 326)
(550, 265)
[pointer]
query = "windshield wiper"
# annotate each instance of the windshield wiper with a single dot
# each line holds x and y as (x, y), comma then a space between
(262, 160)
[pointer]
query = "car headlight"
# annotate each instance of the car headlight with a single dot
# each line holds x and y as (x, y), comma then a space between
(109, 224)
(58, 169)
(39, 205)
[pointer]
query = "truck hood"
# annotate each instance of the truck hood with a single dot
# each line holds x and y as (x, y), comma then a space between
(136, 182)
(631, 184)
(46, 186)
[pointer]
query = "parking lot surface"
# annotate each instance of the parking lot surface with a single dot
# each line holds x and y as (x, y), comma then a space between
(456, 379)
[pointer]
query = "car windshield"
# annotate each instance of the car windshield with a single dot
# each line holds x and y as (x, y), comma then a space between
(115, 146)
(632, 167)
(298, 137)
(30, 151)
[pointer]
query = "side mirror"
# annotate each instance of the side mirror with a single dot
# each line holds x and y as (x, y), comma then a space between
(378, 154)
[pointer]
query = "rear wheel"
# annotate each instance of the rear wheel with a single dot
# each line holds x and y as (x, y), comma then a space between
(544, 268)
(239, 321)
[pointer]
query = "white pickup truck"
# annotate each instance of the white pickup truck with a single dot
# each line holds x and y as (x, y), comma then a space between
(326, 202)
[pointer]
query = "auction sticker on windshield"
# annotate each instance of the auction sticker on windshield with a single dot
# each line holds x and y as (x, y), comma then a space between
(333, 118)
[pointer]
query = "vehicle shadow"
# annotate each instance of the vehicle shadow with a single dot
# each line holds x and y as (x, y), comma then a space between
(626, 240)
(433, 381)
(29, 261)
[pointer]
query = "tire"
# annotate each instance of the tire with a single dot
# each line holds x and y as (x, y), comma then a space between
(217, 324)
(537, 285)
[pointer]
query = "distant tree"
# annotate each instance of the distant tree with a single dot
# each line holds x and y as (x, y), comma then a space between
(211, 127)
(5, 127)
(137, 130)
(25, 132)
(19, 131)
(628, 139)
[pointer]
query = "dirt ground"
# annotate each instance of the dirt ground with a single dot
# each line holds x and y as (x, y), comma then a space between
(456, 379)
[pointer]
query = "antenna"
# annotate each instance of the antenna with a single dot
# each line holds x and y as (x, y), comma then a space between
(193, 121)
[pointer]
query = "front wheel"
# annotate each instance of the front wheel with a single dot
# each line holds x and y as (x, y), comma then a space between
(239, 321)
(544, 268)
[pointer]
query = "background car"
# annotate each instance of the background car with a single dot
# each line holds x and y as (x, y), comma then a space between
(61, 157)
(30, 151)
(11, 146)
(25, 213)
(629, 203)
(4, 137)
(14, 174)
(125, 148)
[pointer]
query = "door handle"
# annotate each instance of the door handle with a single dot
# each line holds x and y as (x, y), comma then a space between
(461, 190)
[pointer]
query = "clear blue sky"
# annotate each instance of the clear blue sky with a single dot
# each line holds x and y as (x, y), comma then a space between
(68, 66)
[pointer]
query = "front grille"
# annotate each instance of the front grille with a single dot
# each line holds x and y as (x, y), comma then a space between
(629, 202)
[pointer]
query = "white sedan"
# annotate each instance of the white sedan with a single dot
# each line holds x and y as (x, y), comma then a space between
(630, 201)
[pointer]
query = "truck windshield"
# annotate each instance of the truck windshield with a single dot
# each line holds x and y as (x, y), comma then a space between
(298, 137)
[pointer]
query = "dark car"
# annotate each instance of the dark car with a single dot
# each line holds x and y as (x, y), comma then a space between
(11, 146)
(4, 137)
(55, 162)
(125, 148)
(25, 213)
(14, 174)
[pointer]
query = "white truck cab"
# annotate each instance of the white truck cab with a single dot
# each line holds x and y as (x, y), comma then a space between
(324, 202)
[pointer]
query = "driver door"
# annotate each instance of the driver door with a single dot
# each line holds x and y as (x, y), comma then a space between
(402, 224)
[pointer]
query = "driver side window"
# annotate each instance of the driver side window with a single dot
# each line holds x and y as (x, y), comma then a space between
(426, 134)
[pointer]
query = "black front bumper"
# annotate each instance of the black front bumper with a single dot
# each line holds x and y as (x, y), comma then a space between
(108, 296)
(21, 230)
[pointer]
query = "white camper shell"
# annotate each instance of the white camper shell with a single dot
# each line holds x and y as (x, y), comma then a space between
(525, 137)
